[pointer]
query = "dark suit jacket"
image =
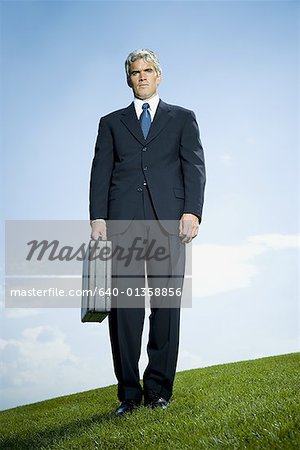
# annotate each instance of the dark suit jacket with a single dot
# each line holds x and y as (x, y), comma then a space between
(171, 160)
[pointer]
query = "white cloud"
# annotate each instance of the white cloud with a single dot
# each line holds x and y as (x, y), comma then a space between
(37, 354)
(222, 268)
(188, 360)
(41, 364)
(21, 313)
(18, 313)
(276, 241)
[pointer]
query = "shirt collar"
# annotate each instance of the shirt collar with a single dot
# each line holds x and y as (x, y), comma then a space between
(153, 102)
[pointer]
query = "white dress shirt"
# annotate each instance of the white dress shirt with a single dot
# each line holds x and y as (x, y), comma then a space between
(153, 104)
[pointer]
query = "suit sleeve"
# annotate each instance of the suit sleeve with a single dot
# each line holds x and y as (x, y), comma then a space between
(193, 167)
(101, 171)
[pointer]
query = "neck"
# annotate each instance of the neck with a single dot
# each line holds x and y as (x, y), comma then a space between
(148, 98)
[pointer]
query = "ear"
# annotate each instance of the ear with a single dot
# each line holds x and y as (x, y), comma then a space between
(129, 82)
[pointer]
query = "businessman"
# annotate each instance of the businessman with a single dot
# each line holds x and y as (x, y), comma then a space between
(147, 186)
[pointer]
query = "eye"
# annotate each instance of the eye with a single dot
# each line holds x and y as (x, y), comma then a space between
(134, 73)
(149, 70)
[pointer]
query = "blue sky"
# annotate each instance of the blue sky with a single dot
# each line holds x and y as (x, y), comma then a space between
(236, 64)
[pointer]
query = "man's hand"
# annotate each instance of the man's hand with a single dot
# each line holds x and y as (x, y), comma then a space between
(188, 227)
(98, 230)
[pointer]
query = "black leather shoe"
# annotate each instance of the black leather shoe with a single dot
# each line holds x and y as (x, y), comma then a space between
(159, 402)
(127, 406)
(154, 400)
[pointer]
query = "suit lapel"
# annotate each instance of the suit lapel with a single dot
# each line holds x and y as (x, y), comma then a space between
(161, 118)
(130, 120)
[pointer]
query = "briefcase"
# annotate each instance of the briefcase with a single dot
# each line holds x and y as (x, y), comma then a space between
(96, 282)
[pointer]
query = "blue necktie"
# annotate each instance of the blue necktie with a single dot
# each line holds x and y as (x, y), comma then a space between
(145, 119)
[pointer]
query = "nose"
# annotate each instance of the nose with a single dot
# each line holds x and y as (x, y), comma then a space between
(142, 76)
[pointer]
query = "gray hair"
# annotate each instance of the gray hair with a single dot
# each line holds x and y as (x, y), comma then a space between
(147, 55)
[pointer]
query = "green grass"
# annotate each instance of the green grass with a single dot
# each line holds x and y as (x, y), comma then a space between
(249, 404)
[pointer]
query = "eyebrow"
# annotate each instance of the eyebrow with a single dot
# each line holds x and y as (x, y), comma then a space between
(143, 70)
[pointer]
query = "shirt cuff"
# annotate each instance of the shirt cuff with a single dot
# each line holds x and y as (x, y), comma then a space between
(97, 220)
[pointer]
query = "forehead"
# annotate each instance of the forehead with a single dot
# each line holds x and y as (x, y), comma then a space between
(141, 64)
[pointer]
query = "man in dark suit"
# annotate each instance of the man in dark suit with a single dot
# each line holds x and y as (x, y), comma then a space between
(147, 183)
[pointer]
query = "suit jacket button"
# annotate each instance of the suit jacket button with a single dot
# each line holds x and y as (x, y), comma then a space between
(145, 168)
(144, 149)
(139, 189)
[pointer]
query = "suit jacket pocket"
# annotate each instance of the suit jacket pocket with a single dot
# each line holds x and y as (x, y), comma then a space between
(179, 192)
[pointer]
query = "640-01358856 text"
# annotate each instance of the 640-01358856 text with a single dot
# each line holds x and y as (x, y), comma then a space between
(140, 292)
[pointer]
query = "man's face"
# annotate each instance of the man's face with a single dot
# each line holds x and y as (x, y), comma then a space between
(143, 79)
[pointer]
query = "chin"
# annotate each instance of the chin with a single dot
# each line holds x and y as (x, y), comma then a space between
(145, 96)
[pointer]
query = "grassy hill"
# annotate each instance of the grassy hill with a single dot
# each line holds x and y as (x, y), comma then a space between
(249, 404)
